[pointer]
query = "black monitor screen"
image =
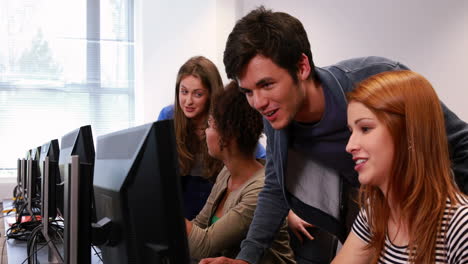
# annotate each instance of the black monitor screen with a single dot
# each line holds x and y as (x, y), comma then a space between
(24, 180)
(18, 174)
(77, 199)
(137, 190)
(33, 178)
(51, 150)
(35, 153)
(77, 142)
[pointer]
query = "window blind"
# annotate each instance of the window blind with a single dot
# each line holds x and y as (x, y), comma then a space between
(63, 64)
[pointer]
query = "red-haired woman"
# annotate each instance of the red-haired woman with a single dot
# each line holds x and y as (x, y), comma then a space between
(411, 208)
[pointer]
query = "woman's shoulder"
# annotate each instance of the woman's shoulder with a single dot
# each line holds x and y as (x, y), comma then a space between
(258, 176)
(166, 113)
(460, 202)
(458, 212)
(456, 222)
(455, 219)
(256, 181)
(223, 175)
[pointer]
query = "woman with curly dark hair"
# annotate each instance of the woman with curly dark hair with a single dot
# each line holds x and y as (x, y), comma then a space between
(232, 135)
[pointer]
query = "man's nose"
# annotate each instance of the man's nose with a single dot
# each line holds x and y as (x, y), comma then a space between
(259, 101)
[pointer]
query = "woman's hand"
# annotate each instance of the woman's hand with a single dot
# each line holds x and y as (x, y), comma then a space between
(188, 226)
(298, 226)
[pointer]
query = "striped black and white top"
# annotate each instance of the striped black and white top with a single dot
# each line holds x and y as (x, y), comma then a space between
(452, 241)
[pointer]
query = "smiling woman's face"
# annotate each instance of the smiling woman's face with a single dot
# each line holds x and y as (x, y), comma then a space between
(371, 145)
(193, 97)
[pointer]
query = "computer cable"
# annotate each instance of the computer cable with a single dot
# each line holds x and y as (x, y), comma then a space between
(21, 231)
(8, 211)
(35, 238)
(19, 213)
(98, 254)
(57, 231)
(15, 191)
(36, 251)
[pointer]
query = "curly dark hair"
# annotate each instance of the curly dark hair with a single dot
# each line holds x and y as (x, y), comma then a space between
(235, 119)
(275, 35)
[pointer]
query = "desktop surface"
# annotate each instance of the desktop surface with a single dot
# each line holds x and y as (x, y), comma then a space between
(17, 250)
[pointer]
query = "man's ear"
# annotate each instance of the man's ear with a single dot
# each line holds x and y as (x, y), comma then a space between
(303, 68)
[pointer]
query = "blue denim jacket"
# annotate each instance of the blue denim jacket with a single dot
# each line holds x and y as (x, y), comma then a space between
(274, 201)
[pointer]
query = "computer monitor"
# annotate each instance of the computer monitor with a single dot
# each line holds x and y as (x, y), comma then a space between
(28, 154)
(35, 153)
(138, 197)
(19, 178)
(26, 193)
(27, 201)
(33, 179)
(18, 191)
(24, 176)
(77, 142)
(18, 173)
(76, 164)
(50, 175)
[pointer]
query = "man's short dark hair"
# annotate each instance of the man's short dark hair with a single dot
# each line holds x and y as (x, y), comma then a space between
(275, 35)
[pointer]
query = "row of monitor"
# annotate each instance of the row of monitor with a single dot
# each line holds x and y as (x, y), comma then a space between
(125, 197)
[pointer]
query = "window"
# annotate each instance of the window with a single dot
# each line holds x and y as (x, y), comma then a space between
(63, 64)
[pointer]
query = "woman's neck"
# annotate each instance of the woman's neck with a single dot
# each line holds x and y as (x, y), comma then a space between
(198, 125)
(395, 209)
(397, 224)
(241, 170)
(199, 121)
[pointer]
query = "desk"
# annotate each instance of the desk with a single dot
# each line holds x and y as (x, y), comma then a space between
(17, 250)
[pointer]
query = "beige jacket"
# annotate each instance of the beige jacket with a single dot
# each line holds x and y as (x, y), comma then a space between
(223, 238)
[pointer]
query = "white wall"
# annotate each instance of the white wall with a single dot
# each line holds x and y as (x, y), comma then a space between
(167, 34)
(429, 36)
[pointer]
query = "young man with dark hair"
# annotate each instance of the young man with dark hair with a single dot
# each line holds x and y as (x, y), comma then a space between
(304, 110)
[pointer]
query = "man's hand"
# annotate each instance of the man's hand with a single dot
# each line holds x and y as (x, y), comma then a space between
(298, 226)
(222, 260)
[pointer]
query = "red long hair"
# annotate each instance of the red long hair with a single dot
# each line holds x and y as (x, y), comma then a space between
(421, 178)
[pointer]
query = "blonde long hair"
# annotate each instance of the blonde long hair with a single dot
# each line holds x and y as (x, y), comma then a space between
(188, 143)
(421, 179)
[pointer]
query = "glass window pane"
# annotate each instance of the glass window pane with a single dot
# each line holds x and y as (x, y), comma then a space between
(45, 85)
